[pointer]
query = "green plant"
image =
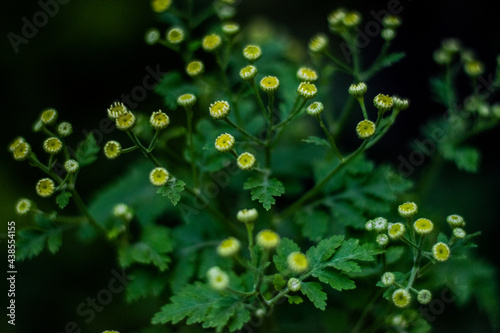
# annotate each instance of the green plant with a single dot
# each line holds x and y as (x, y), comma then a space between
(266, 154)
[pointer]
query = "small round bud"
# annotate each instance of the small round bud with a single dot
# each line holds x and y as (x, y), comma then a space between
(45, 187)
(407, 209)
(159, 176)
(318, 43)
(335, 18)
(112, 149)
(246, 161)
(195, 68)
(268, 239)
(380, 224)
(451, 45)
(23, 206)
(423, 226)
(365, 129)
(269, 84)
(123, 211)
(396, 230)
(307, 90)
(351, 19)
(248, 72)
(441, 57)
(217, 278)
(424, 296)
(315, 109)
(159, 120)
(459, 233)
(224, 142)
(186, 100)
(116, 110)
(126, 121)
(401, 298)
(49, 116)
(388, 279)
(211, 42)
(64, 129)
(474, 68)
(159, 6)
(400, 103)
(455, 221)
(383, 102)
(175, 35)
(13, 145)
(297, 262)
(382, 239)
(247, 215)
(358, 90)
(71, 166)
(391, 21)
(440, 251)
(228, 247)
(307, 74)
(252, 52)
(388, 34)
(152, 36)
(369, 225)
(21, 151)
(293, 284)
(230, 28)
(219, 109)
(52, 145)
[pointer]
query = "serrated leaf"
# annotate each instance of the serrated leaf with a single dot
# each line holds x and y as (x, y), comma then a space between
(145, 283)
(335, 279)
(30, 244)
(264, 190)
(313, 291)
(285, 247)
(351, 250)
(467, 159)
(63, 199)
(314, 223)
(86, 152)
(317, 141)
(172, 190)
(279, 282)
(295, 299)
(54, 241)
(324, 250)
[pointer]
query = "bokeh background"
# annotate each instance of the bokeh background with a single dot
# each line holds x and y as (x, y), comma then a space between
(91, 52)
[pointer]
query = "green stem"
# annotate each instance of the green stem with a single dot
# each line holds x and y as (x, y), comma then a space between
(339, 63)
(291, 115)
(330, 138)
(194, 172)
(245, 133)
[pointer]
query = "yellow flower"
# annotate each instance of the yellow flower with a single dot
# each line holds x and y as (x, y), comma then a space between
(401, 298)
(228, 247)
(195, 68)
(252, 53)
(268, 239)
(159, 6)
(383, 102)
(186, 100)
(351, 19)
(230, 28)
(307, 90)
(23, 206)
(219, 109)
(407, 209)
(423, 226)
(440, 251)
(21, 151)
(248, 72)
(52, 145)
(211, 42)
(246, 161)
(391, 21)
(358, 90)
(315, 108)
(159, 120)
(297, 262)
(126, 121)
(64, 129)
(175, 35)
(49, 116)
(396, 230)
(307, 74)
(158, 176)
(224, 142)
(15, 143)
(217, 278)
(116, 110)
(318, 43)
(455, 221)
(45, 187)
(473, 68)
(112, 149)
(247, 215)
(269, 84)
(365, 129)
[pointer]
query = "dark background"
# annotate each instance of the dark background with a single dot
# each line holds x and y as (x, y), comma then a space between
(91, 52)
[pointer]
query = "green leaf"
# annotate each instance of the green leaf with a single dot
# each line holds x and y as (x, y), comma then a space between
(63, 199)
(313, 291)
(144, 284)
(86, 152)
(172, 190)
(335, 279)
(317, 141)
(279, 282)
(314, 223)
(351, 250)
(295, 299)
(285, 247)
(324, 250)
(30, 244)
(264, 190)
(54, 240)
(466, 158)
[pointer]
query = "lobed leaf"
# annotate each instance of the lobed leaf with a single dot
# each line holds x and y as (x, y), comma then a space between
(313, 291)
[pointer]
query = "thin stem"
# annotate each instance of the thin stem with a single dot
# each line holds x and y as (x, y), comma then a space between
(291, 115)
(330, 138)
(191, 146)
(340, 64)
(245, 133)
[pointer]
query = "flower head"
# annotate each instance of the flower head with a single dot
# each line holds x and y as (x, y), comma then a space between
(388, 279)
(49, 116)
(383, 102)
(424, 296)
(228, 247)
(336, 18)
(318, 43)
(23, 206)
(126, 121)
(159, 6)
(351, 19)
(159, 120)
(315, 109)
(21, 151)
(186, 100)
(52, 145)
(159, 176)
(407, 209)
(15, 143)
(195, 68)
(369, 225)
(365, 129)
(396, 230)
(247, 215)
(459, 233)
(211, 42)
(388, 34)
(112, 149)
(45, 187)
(474, 68)
(269, 84)
(224, 142)
(401, 298)
(219, 109)
(400, 103)
(246, 161)
(252, 52)
(175, 35)
(293, 284)
(455, 221)
(391, 21)
(116, 110)
(423, 226)
(307, 74)
(64, 129)
(358, 90)
(382, 239)
(268, 239)
(297, 262)
(248, 72)
(440, 251)
(230, 28)
(307, 90)
(379, 224)
(152, 36)
(123, 211)
(217, 278)
(71, 166)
